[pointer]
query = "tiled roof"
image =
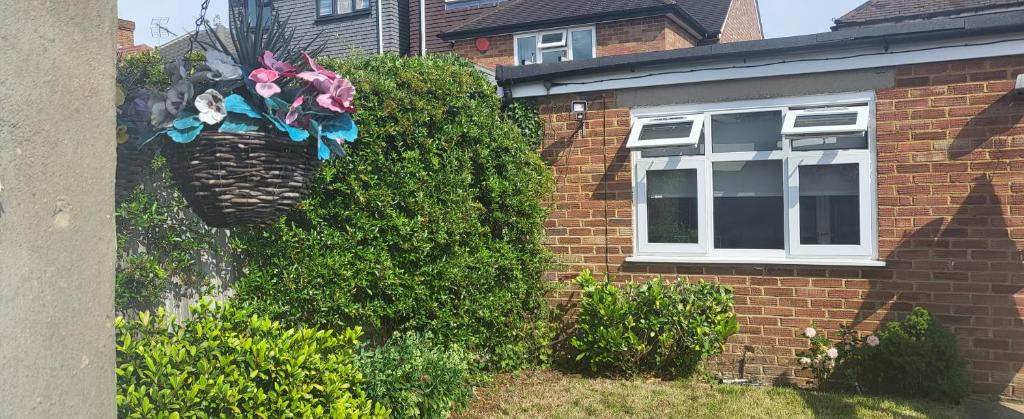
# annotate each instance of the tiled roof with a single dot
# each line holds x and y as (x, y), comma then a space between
(122, 52)
(707, 16)
(879, 11)
(178, 47)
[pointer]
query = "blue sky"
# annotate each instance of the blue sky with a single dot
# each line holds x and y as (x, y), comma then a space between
(781, 17)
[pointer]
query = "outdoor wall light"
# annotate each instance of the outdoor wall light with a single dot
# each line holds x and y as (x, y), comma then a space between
(579, 108)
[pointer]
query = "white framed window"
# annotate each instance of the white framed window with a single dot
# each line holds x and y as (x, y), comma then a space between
(724, 183)
(555, 46)
(684, 130)
(830, 120)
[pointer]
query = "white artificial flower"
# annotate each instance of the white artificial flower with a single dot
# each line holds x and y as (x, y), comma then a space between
(810, 332)
(872, 340)
(832, 353)
(211, 107)
(223, 65)
(805, 361)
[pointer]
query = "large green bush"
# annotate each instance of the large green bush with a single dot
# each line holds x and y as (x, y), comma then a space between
(432, 223)
(417, 378)
(916, 357)
(665, 329)
(229, 362)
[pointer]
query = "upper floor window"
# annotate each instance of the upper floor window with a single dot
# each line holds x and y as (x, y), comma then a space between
(554, 46)
(328, 8)
(789, 181)
(257, 9)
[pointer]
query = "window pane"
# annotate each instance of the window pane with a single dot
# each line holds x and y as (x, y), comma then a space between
(672, 206)
(325, 7)
(344, 6)
(755, 131)
(749, 207)
(553, 38)
(583, 45)
(666, 130)
(804, 121)
(830, 204)
(254, 11)
(362, 4)
(526, 47)
(841, 142)
(553, 56)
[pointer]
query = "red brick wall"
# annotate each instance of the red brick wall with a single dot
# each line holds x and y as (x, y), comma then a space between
(613, 38)
(125, 33)
(743, 23)
(950, 215)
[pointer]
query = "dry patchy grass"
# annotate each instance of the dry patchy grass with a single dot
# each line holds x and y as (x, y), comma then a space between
(551, 394)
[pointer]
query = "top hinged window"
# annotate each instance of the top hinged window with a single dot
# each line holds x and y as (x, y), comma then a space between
(666, 131)
(806, 122)
(552, 40)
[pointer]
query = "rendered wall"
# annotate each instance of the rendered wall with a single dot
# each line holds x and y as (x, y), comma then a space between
(57, 238)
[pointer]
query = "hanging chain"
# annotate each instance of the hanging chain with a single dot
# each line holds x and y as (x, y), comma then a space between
(200, 22)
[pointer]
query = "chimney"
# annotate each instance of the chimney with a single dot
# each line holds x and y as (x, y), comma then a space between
(125, 34)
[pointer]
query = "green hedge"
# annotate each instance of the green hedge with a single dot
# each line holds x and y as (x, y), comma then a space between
(651, 328)
(228, 362)
(432, 223)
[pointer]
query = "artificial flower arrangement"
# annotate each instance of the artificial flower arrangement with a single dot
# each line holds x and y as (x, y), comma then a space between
(242, 130)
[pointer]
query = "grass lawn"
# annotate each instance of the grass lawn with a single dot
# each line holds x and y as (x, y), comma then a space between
(552, 394)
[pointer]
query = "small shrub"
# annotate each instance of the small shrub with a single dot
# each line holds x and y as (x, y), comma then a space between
(417, 378)
(654, 327)
(229, 362)
(915, 357)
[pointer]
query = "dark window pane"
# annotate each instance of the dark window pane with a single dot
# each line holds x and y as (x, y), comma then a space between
(325, 7)
(749, 207)
(552, 38)
(527, 49)
(553, 56)
(672, 206)
(583, 45)
(830, 204)
(664, 131)
(755, 131)
(841, 142)
(811, 120)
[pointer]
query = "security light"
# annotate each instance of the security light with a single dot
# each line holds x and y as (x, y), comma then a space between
(579, 108)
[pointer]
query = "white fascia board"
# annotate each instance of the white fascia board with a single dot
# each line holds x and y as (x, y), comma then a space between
(841, 60)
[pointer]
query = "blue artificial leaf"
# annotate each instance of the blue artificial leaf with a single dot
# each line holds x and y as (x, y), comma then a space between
(342, 128)
(296, 134)
(186, 121)
(322, 151)
(237, 104)
(276, 104)
(184, 136)
(239, 125)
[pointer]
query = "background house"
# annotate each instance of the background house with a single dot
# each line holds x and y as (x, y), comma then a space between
(834, 178)
(126, 39)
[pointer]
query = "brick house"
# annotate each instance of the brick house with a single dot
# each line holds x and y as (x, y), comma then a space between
(520, 32)
(835, 178)
(126, 39)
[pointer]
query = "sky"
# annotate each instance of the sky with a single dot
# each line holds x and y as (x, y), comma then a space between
(780, 17)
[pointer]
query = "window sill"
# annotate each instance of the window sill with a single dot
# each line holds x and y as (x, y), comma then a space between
(756, 261)
(335, 18)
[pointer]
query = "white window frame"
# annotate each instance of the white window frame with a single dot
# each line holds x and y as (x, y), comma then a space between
(865, 254)
(691, 140)
(641, 168)
(789, 127)
(565, 45)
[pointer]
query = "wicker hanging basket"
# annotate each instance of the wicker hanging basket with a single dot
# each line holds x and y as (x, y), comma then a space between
(132, 165)
(233, 180)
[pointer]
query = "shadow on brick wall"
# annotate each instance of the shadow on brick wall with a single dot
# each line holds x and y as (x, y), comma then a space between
(994, 121)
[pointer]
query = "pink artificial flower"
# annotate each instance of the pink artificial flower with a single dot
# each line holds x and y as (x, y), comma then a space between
(268, 61)
(293, 112)
(319, 68)
(264, 79)
(338, 97)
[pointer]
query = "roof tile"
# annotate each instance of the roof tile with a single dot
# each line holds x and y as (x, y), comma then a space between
(881, 11)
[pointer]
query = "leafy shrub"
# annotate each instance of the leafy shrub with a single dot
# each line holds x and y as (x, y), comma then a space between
(228, 362)
(652, 327)
(433, 223)
(915, 357)
(417, 378)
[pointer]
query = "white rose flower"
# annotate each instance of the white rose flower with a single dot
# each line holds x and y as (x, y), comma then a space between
(805, 361)
(832, 353)
(211, 107)
(810, 332)
(872, 340)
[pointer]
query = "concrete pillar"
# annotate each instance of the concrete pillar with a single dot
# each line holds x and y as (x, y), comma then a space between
(57, 239)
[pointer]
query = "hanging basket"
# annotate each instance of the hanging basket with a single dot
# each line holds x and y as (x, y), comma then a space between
(132, 165)
(233, 180)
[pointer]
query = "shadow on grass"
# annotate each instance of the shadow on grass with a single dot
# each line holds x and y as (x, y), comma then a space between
(846, 405)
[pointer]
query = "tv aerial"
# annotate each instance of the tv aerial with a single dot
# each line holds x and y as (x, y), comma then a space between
(158, 27)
